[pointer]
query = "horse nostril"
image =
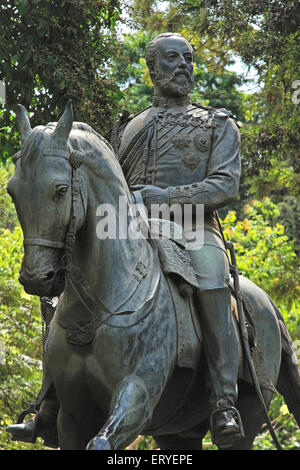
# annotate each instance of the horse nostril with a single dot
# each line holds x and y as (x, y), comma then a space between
(49, 277)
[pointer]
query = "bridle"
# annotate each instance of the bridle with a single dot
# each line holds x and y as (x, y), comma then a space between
(75, 158)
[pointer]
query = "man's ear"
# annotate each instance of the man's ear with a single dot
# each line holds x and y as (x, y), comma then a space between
(151, 69)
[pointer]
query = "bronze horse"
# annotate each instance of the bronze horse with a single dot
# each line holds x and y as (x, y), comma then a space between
(113, 347)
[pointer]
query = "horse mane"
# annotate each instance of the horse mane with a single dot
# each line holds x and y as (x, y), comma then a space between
(35, 140)
(85, 127)
(82, 126)
(104, 153)
(83, 138)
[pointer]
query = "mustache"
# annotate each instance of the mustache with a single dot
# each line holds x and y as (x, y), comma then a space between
(183, 72)
(166, 79)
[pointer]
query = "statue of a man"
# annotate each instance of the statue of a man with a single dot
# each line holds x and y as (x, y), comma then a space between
(181, 152)
(177, 152)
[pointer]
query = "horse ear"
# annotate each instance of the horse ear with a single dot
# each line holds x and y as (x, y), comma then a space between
(23, 122)
(64, 125)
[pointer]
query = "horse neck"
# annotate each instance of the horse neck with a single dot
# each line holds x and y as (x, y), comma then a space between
(107, 263)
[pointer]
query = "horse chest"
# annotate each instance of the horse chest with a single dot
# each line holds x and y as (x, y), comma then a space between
(65, 362)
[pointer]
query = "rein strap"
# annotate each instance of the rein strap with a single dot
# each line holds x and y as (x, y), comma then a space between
(33, 241)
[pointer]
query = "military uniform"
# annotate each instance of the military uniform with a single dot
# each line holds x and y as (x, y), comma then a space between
(193, 152)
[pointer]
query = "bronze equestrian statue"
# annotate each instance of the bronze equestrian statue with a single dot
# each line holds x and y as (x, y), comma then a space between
(120, 360)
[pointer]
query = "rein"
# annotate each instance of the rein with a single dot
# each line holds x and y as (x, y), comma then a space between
(43, 242)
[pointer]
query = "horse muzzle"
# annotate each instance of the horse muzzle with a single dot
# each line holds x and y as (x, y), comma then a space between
(49, 282)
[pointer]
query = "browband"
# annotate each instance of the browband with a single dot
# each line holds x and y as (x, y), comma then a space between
(56, 153)
(52, 152)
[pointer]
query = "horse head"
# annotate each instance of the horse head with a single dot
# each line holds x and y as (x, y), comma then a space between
(41, 189)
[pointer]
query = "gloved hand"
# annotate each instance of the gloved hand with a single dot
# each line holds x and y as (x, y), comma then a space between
(152, 194)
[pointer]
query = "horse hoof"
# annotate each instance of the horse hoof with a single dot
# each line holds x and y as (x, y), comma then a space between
(98, 443)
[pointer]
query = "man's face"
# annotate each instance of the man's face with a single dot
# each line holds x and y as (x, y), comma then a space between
(173, 70)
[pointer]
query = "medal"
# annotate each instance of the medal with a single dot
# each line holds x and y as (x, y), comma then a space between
(201, 142)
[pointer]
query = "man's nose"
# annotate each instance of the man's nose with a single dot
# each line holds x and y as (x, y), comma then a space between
(182, 62)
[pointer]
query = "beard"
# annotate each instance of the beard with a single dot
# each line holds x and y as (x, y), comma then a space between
(179, 83)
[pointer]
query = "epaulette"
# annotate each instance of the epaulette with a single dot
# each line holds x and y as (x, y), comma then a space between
(218, 112)
(199, 105)
(224, 111)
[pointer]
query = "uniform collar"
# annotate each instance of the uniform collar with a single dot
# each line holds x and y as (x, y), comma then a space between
(170, 101)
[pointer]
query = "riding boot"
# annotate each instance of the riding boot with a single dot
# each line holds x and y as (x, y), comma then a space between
(221, 348)
(43, 425)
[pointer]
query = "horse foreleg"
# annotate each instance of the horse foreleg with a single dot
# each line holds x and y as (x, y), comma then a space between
(69, 436)
(128, 414)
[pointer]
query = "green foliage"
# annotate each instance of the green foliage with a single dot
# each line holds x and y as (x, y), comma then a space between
(147, 443)
(8, 214)
(9, 137)
(132, 73)
(285, 426)
(20, 324)
(264, 252)
(53, 51)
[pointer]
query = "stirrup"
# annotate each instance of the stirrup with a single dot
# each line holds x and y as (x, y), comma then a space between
(49, 437)
(32, 409)
(225, 441)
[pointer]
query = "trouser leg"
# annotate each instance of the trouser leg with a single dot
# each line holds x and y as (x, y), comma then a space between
(221, 349)
(219, 338)
(220, 344)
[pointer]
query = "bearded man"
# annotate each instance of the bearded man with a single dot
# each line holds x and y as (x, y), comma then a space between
(177, 152)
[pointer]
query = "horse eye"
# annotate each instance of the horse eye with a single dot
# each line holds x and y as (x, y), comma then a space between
(62, 189)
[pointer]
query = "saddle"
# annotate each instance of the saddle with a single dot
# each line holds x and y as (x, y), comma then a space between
(177, 266)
